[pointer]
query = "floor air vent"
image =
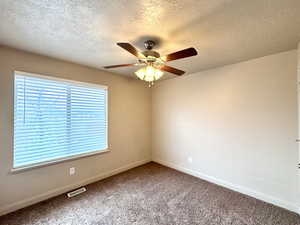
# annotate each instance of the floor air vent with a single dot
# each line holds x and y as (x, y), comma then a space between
(76, 192)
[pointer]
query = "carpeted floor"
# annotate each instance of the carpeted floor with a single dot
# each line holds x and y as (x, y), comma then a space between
(153, 194)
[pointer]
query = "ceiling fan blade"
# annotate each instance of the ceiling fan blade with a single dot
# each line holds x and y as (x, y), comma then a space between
(172, 70)
(180, 54)
(128, 47)
(121, 65)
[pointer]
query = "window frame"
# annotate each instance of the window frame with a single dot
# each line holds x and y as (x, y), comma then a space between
(62, 159)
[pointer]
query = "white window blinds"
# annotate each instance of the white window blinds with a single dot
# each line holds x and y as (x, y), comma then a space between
(57, 119)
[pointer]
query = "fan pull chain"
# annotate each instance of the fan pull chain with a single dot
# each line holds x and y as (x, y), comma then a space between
(151, 83)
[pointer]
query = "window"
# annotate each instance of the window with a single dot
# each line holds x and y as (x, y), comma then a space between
(57, 119)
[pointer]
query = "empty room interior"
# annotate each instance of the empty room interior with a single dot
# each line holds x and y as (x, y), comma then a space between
(149, 112)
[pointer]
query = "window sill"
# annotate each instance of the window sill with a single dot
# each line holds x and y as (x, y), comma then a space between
(56, 161)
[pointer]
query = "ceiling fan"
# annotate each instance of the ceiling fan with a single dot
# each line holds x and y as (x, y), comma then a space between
(153, 62)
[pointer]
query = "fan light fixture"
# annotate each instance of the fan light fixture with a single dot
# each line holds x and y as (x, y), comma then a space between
(149, 74)
(154, 64)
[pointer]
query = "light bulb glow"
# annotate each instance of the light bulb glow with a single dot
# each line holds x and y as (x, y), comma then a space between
(149, 73)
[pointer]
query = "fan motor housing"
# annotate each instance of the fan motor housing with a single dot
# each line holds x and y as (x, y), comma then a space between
(151, 53)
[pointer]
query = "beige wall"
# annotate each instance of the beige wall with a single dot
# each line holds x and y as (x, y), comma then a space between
(298, 89)
(129, 128)
(238, 125)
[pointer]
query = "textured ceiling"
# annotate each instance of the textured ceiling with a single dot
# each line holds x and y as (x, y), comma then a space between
(85, 31)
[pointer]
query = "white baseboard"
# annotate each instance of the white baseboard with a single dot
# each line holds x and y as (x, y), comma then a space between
(30, 201)
(244, 190)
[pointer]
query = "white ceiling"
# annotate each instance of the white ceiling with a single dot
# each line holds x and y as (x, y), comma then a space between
(85, 31)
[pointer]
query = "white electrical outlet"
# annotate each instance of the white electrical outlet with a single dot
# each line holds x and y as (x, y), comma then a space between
(190, 159)
(72, 171)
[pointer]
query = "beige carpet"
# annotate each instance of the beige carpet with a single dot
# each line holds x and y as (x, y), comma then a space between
(153, 194)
